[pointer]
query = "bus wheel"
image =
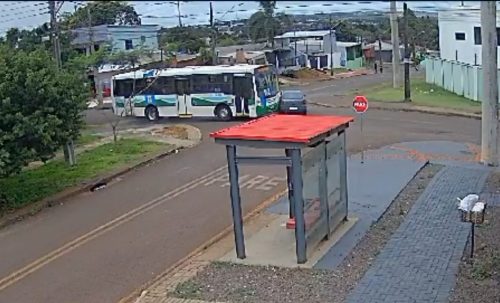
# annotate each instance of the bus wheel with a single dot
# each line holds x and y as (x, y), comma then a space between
(151, 113)
(223, 112)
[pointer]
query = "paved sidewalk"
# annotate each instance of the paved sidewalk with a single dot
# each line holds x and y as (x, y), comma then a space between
(420, 261)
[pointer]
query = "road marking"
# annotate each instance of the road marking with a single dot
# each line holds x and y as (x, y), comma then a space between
(257, 182)
(70, 246)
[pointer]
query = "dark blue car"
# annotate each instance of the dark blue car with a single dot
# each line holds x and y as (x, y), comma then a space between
(293, 102)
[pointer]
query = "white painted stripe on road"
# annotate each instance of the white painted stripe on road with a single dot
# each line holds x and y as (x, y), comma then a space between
(70, 246)
(257, 182)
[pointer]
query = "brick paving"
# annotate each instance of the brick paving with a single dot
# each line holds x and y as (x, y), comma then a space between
(158, 292)
(420, 261)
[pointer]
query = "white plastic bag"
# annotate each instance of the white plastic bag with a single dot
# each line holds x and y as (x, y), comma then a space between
(478, 207)
(468, 202)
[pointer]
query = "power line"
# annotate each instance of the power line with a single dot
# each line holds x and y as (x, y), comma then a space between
(22, 18)
(15, 13)
(11, 4)
(31, 13)
(23, 7)
(41, 9)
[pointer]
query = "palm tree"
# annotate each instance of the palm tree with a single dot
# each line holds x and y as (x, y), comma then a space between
(264, 23)
(271, 26)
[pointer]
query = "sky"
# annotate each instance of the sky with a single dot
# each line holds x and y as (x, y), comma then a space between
(30, 14)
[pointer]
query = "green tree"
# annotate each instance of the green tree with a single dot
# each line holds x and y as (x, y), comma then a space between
(187, 39)
(205, 55)
(41, 107)
(270, 25)
(265, 24)
(422, 32)
(102, 12)
(12, 37)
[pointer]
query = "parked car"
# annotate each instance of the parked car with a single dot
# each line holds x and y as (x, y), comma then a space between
(293, 102)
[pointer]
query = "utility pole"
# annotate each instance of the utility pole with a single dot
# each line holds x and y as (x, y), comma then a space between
(179, 13)
(380, 62)
(55, 33)
(395, 45)
(91, 34)
(69, 150)
(214, 35)
(489, 106)
(407, 54)
(295, 43)
(91, 50)
(331, 46)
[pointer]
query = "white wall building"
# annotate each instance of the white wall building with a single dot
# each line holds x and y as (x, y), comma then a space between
(313, 41)
(460, 35)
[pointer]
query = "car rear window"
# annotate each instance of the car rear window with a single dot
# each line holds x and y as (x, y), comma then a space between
(293, 95)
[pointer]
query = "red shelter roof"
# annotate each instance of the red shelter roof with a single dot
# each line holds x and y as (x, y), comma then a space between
(284, 128)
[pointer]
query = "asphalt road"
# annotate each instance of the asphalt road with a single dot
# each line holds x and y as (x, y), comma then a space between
(100, 246)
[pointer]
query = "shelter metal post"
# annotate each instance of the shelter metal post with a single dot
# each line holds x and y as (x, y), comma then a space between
(291, 212)
(323, 188)
(298, 202)
(236, 201)
(343, 172)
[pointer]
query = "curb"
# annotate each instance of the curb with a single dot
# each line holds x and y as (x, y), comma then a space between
(415, 109)
(338, 76)
(136, 294)
(34, 208)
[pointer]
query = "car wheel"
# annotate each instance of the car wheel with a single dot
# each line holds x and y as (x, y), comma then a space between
(223, 112)
(151, 113)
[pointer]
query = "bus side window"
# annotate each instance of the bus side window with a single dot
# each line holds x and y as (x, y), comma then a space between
(243, 86)
(166, 86)
(140, 87)
(123, 88)
(201, 84)
(182, 86)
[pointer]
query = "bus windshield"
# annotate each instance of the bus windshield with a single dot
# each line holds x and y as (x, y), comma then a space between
(266, 81)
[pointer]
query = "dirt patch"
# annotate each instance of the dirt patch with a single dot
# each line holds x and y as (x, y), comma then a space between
(227, 282)
(309, 73)
(175, 131)
(493, 183)
(479, 281)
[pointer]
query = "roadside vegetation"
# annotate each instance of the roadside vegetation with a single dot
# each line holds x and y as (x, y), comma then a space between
(32, 185)
(478, 279)
(423, 94)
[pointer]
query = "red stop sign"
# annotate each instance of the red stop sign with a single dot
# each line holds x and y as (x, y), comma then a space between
(360, 104)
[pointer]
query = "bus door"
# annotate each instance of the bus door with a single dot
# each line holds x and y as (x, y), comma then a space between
(243, 93)
(182, 87)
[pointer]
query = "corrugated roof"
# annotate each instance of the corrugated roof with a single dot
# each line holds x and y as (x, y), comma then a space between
(226, 50)
(347, 44)
(386, 46)
(304, 34)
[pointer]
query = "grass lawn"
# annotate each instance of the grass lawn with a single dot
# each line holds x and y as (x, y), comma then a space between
(423, 94)
(87, 138)
(35, 184)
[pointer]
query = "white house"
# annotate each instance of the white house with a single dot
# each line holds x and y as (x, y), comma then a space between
(118, 37)
(308, 41)
(386, 51)
(460, 35)
(315, 47)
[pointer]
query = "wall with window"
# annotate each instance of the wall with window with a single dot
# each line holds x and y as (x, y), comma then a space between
(132, 37)
(460, 36)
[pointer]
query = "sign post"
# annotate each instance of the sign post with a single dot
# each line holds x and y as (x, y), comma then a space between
(360, 106)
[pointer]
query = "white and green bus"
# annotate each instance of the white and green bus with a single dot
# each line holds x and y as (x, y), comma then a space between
(198, 91)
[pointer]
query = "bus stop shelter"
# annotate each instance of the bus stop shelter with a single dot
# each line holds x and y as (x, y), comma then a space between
(315, 157)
